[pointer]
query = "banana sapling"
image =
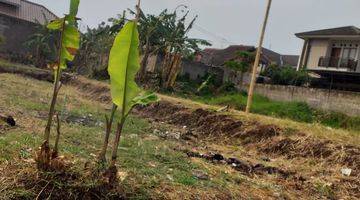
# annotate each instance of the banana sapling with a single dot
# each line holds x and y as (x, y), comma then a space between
(68, 46)
(123, 67)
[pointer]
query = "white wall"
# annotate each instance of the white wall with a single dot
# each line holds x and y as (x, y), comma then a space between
(318, 48)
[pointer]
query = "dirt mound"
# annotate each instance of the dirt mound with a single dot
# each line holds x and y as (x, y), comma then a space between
(36, 73)
(260, 133)
(270, 139)
(98, 92)
(202, 121)
(66, 186)
(311, 147)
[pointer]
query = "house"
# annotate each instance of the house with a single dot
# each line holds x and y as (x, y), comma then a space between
(212, 61)
(217, 57)
(18, 20)
(333, 54)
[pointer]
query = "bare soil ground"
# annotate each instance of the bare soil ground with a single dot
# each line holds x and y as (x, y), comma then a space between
(256, 157)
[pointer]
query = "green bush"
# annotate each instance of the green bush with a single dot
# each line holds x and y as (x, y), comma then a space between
(286, 75)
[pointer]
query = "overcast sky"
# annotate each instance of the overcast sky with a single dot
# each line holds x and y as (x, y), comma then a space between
(226, 22)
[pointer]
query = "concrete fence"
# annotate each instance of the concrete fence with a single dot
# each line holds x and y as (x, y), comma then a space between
(334, 100)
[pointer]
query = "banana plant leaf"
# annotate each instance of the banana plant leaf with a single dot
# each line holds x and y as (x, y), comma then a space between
(123, 66)
(70, 34)
(74, 7)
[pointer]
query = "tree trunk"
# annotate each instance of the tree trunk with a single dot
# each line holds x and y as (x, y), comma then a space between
(175, 67)
(144, 62)
(165, 68)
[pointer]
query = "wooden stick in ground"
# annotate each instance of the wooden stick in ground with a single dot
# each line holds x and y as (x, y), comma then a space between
(257, 59)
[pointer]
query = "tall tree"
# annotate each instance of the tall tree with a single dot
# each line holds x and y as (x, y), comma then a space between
(177, 45)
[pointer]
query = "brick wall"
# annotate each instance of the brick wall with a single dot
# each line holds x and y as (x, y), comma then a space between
(15, 32)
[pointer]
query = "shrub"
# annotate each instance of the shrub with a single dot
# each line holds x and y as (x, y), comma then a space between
(286, 75)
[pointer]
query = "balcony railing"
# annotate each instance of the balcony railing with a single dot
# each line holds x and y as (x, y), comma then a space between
(342, 63)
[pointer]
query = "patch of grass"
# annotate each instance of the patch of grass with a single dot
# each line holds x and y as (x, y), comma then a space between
(149, 163)
(325, 190)
(297, 111)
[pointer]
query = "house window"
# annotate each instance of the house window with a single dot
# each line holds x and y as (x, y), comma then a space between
(349, 53)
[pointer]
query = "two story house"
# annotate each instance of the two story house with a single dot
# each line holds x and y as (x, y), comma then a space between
(334, 55)
(336, 49)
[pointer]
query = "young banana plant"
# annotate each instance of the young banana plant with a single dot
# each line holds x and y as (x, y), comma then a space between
(68, 46)
(123, 67)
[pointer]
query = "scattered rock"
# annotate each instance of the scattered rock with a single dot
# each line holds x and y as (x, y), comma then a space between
(122, 175)
(133, 136)
(266, 159)
(175, 135)
(224, 109)
(240, 165)
(200, 175)
(168, 176)
(346, 171)
(156, 132)
(85, 120)
(152, 164)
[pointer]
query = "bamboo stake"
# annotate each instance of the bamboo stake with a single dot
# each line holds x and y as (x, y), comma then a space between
(257, 59)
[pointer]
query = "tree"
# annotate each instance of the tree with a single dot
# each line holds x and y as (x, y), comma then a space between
(43, 45)
(177, 45)
(151, 40)
(166, 34)
(242, 64)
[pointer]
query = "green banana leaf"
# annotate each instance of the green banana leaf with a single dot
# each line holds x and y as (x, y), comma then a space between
(56, 24)
(70, 45)
(70, 34)
(123, 66)
(74, 7)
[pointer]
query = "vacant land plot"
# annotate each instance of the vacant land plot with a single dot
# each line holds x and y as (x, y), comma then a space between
(174, 149)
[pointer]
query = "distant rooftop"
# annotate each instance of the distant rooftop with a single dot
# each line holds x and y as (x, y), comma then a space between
(26, 10)
(341, 31)
(218, 57)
